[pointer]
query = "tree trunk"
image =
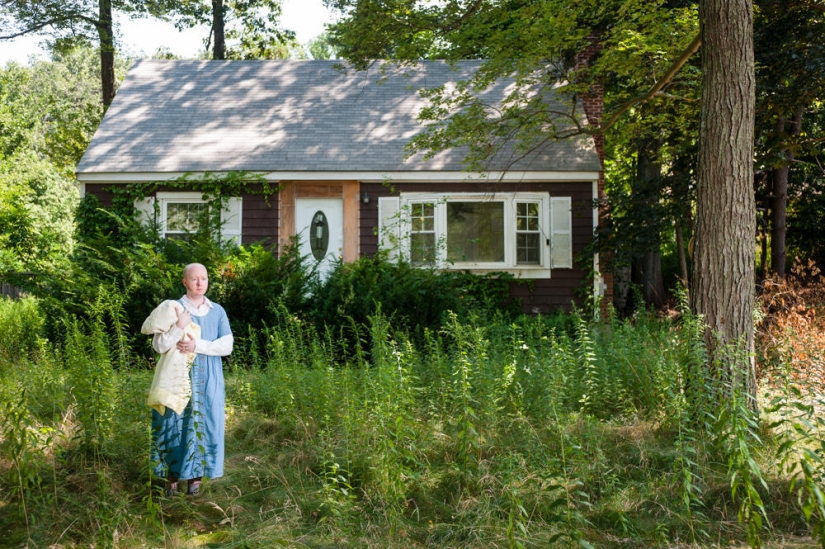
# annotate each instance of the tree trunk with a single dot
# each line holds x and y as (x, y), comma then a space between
(779, 196)
(654, 288)
(779, 207)
(680, 250)
(648, 265)
(107, 51)
(219, 51)
(722, 291)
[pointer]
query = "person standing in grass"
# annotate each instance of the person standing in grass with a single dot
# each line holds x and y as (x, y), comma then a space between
(190, 445)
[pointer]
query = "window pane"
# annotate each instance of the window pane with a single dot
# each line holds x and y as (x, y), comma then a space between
(422, 248)
(184, 216)
(528, 252)
(475, 232)
(527, 216)
(423, 217)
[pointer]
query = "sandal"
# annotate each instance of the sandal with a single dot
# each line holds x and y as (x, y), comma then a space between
(193, 489)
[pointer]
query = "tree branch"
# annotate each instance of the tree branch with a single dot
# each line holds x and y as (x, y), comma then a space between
(692, 48)
(29, 30)
(815, 6)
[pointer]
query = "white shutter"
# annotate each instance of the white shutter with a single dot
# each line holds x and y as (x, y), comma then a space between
(231, 216)
(561, 233)
(389, 225)
(145, 210)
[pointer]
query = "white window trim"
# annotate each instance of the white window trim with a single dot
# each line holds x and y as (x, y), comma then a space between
(231, 215)
(400, 208)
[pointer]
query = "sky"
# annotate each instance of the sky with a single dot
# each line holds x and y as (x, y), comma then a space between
(145, 36)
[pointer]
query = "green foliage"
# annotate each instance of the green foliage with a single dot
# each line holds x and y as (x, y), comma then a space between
(36, 214)
(251, 281)
(21, 331)
(51, 108)
(806, 194)
(413, 298)
(48, 112)
(477, 434)
(320, 47)
(252, 27)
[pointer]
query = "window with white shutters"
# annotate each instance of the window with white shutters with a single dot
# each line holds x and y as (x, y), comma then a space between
(524, 233)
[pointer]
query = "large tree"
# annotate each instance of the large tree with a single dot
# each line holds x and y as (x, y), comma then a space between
(535, 42)
(238, 29)
(72, 19)
(724, 257)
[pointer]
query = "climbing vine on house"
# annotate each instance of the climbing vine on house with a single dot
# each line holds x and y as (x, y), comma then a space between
(120, 220)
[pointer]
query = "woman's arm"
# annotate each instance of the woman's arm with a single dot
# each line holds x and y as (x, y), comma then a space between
(220, 347)
(165, 341)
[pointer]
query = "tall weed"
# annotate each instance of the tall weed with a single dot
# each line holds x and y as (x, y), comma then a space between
(470, 352)
(21, 331)
(735, 427)
(795, 408)
(25, 444)
(92, 383)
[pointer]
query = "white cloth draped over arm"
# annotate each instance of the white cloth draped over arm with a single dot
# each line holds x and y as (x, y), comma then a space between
(163, 342)
(166, 341)
(220, 347)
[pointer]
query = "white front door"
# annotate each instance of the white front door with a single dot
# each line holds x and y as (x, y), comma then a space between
(319, 223)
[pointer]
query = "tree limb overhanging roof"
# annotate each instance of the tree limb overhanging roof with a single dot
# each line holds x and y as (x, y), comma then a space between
(285, 116)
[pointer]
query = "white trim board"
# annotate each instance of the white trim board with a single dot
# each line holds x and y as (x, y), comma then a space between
(366, 177)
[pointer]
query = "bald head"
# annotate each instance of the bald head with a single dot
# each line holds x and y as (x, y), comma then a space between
(196, 281)
(192, 266)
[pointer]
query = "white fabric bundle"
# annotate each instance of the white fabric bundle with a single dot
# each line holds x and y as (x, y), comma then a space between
(171, 386)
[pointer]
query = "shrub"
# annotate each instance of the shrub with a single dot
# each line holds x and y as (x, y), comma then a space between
(414, 299)
(21, 330)
(251, 281)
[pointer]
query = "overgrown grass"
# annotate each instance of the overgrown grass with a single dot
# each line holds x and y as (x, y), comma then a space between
(489, 432)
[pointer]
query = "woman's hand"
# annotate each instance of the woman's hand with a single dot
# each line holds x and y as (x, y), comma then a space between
(184, 318)
(187, 344)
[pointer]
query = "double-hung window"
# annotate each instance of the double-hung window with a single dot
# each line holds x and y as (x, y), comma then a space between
(422, 233)
(179, 214)
(523, 233)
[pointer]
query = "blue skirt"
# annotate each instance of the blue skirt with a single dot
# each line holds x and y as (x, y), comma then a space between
(191, 444)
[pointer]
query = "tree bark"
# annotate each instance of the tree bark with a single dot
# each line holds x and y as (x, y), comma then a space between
(648, 264)
(779, 196)
(107, 51)
(219, 50)
(722, 291)
(680, 250)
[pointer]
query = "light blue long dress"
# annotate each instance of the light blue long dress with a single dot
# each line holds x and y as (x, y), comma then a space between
(191, 444)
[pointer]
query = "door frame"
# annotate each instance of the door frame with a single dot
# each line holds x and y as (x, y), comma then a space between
(348, 191)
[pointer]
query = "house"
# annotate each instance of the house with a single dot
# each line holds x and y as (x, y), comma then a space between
(333, 141)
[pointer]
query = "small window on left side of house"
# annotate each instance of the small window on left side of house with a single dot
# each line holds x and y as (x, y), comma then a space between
(182, 213)
(185, 218)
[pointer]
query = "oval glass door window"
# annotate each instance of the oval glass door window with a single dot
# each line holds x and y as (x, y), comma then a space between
(319, 235)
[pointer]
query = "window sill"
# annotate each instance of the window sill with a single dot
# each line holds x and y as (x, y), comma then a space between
(527, 273)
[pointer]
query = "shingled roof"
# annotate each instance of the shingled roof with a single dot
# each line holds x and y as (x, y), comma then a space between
(283, 116)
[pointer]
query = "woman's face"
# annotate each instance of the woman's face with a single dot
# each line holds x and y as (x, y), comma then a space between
(196, 281)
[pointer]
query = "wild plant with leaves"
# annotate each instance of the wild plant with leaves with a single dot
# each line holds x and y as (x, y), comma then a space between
(486, 430)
